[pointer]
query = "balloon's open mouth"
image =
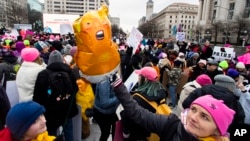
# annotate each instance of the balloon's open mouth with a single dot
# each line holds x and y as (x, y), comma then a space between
(100, 35)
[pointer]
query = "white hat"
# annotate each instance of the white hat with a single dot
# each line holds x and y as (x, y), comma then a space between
(240, 65)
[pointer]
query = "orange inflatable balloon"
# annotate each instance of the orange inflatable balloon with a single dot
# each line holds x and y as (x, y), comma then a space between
(97, 55)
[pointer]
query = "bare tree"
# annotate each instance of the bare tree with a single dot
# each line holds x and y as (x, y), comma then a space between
(240, 25)
(146, 29)
(116, 31)
(18, 12)
(35, 18)
(216, 27)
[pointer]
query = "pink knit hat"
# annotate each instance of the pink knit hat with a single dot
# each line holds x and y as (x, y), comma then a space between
(148, 72)
(203, 80)
(221, 114)
(203, 62)
(29, 54)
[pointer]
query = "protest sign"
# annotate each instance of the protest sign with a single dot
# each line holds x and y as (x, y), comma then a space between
(222, 53)
(180, 36)
(134, 38)
(131, 81)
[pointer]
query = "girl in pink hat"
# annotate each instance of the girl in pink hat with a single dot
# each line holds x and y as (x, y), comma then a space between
(207, 118)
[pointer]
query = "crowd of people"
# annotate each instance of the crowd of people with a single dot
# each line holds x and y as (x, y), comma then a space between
(209, 96)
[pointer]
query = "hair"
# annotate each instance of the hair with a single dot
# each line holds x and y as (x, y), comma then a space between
(149, 88)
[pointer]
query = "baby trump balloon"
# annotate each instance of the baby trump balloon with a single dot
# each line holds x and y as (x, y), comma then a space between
(97, 56)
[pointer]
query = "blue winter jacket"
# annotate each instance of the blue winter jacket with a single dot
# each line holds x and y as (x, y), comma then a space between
(105, 99)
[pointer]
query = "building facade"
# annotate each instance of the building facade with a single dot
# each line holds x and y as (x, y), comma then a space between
(75, 7)
(115, 20)
(227, 13)
(13, 12)
(177, 15)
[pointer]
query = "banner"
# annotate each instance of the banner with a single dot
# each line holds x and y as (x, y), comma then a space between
(65, 29)
(222, 53)
(52, 22)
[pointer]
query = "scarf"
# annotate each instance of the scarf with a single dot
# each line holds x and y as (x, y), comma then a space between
(44, 137)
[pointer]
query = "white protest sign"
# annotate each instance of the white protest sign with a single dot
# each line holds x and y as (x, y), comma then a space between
(131, 81)
(65, 29)
(180, 36)
(222, 53)
(134, 38)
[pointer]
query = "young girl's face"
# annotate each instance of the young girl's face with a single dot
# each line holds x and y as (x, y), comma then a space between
(38, 127)
(200, 123)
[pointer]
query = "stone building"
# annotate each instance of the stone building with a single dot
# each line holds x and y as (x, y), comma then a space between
(226, 15)
(176, 15)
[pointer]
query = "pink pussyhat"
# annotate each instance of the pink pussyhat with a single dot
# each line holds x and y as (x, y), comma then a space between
(221, 114)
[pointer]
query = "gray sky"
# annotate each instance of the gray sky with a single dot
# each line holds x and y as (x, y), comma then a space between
(131, 11)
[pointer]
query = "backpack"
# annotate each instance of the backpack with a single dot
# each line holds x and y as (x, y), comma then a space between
(60, 86)
(10, 73)
(161, 108)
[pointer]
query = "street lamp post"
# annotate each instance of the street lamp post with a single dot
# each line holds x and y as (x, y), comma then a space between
(244, 38)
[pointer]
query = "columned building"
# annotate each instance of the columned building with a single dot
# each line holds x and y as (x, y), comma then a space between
(224, 15)
(177, 15)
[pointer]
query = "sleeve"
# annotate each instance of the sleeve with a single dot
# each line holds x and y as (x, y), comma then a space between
(106, 95)
(191, 97)
(41, 88)
(152, 122)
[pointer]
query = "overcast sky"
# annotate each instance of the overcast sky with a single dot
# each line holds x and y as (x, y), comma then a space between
(131, 11)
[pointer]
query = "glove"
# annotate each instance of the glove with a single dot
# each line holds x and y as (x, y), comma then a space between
(89, 112)
(115, 80)
(60, 138)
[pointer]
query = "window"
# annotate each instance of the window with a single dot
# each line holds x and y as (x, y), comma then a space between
(247, 9)
(231, 10)
(170, 21)
(170, 26)
(247, 3)
(170, 16)
(215, 3)
(214, 14)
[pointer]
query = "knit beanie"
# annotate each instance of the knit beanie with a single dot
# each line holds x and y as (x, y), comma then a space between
(73, 50)
(195, 54)
(223, 64)
(66, 49)
(26, 42)
(22, 116)
(29, 54)
(221, 114)
(147, 72)
(55, 56)
(225, 81)
(203, 62)
(240, 65)
(233, 73)
(203, 80)
(212, 61)
(40, 45)
(19, 46)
